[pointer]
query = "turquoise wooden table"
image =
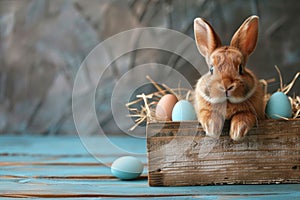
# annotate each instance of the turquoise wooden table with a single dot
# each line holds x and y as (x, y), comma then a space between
(61, 167)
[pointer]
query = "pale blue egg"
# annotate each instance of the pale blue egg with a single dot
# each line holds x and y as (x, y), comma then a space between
(279, 105)
(183, 111)
(127, 167)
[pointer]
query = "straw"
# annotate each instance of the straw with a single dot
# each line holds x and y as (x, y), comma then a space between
(147, 111)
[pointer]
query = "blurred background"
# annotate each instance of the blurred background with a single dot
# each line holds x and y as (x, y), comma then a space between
(43, 43)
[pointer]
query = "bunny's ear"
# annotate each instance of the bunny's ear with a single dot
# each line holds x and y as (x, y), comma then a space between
(245, 37)
(206, 38)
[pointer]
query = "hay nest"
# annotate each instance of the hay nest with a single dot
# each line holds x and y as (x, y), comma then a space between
(146, 112)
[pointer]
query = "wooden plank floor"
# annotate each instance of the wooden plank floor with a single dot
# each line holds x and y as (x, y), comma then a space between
(61, 167)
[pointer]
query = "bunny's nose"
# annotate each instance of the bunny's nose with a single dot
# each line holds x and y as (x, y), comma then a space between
(228, 90)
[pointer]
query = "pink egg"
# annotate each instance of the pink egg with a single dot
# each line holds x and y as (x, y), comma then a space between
(165, 106)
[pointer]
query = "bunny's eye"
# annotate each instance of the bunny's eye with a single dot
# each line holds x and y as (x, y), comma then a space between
(211, 69)
(241, 69)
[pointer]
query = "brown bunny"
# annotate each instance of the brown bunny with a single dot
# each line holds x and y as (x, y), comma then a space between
(229, 90)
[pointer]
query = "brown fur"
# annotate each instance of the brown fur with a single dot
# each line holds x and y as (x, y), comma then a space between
(227, 94)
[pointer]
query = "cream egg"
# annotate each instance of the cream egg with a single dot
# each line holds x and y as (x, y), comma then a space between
(165, 106)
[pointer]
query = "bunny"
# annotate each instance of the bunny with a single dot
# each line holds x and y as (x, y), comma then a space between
(229, 91)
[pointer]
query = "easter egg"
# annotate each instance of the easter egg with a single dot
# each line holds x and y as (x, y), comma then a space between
(165, 106)
(183, 111)
(279, 105)
(127, 167)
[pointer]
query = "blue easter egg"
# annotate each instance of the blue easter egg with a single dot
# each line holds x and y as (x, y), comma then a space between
(183, 111)
(279, 105)
(127, 167)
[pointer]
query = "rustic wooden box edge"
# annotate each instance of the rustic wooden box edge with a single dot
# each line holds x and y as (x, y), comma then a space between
(283, 135)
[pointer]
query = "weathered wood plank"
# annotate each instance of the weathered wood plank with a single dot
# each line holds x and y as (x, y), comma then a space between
(38, 150)
(139, 188)
(70, 145)
(78, 175)
(60, 159)
(180, 154)
(58, 171)
(69, 160)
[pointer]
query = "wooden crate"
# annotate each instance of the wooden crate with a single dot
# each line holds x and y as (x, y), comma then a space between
(179, 154)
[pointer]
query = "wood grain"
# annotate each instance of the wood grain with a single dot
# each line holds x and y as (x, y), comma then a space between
(30, 168)
(179, 154)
